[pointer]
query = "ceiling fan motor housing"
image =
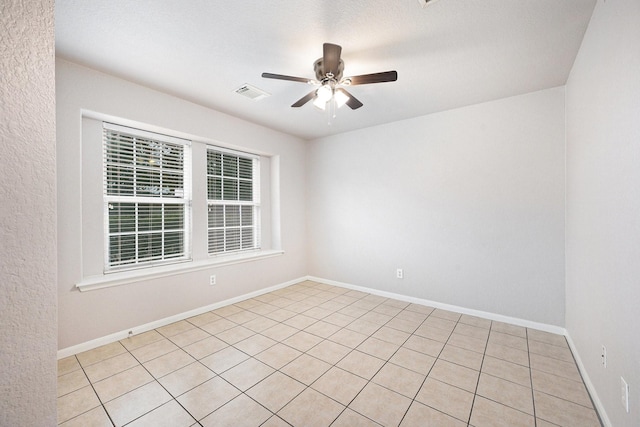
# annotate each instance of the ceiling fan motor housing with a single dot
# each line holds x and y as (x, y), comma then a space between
(318, 68)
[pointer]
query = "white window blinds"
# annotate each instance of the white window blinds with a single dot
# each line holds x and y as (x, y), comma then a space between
(233, 198)
(147, 198)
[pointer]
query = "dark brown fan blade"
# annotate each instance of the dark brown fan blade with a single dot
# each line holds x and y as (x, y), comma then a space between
(282, 77)
(352, 102)
(308, 97)
(331, 58)
(386, 76)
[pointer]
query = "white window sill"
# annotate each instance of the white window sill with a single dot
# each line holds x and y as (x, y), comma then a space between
(116, 279)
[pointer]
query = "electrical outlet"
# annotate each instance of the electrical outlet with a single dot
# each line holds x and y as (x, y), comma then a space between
(212, 279)
(624, 394)
(603, 357)
(399, 273)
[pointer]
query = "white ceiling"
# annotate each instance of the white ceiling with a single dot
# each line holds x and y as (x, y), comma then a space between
(449, 54)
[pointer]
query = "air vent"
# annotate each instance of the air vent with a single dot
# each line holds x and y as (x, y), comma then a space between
(251, 92)
(425, 3)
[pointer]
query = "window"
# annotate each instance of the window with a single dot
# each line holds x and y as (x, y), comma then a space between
(147, 198)
(233, 198)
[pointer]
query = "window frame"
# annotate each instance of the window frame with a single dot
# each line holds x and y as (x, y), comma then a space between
(226, 203)
(157, 200)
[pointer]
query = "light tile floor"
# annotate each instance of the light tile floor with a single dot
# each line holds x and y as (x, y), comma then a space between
(317, 355)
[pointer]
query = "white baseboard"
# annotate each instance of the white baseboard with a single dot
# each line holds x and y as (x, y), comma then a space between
(463, 310)
(587, 382)
(108, 339)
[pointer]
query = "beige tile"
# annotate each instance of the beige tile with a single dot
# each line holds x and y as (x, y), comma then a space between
(306, 369)
(280, 315)
(420, 415)
(207, 397)
(348, 338)
(412, 316)
(96, 417)
(302, 341)
(472, 331)
(255, 344)
(387, 309)
(224, 359)
(404, 325)
(547, 337)
(132, 405)
(311, 409)
(242, 317)
(218, 326)
(363, 327)
(101, 353)
(486, 413)
(275, 421)
(260, 324)
(165, 364)
(235, 335)
(350, 418)
(361, 364)
(446, 314)
(507, 353)
(555, 367)
(300, 321)
(431, 332)
(75, 403)
(399, 379)
(122, 383)
(508, 340)
(391, 335)
(376, 318)
(106, 368)
(550, 350)
(329, 351)
(446, 398)
(323, 329)
(468, 343)
(424, 345)
(438, 322)
(227, 310)
(204, 318)
(184, 379)
(419, 308)
(506, 392)
(507, 328)
(140, 340)
(413, 360)
(275, 391)
(543, 423)
(455, 375)
(247, 374)
(68, 365)
(241, 411)
(381, 405)
(404, 304)
(339, 385)
(563, 388)
(506, 370)
(352, 311)
(279, 332)
(278, 355)
(378, 348)
(153, 350)
(317, 313)
(475, 321)
(205, 347)
(71, 382)
(171, 414)
(463, 357)
(175, 328)
(339, 319)
(185, 338)
(563, 412)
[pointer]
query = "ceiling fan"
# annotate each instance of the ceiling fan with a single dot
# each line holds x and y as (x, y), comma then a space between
(331, 84)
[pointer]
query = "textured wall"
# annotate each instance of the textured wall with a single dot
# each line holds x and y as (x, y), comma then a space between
(603, 204)
(27, 214)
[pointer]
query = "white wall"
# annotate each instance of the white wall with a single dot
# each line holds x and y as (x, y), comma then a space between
(469, 202)
(603, 204)
(27, 215)
(84, 316)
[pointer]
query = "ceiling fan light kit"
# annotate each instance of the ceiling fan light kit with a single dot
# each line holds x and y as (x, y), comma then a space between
(328, 71)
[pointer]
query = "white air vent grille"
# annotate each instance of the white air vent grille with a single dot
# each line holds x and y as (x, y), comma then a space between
(251, 92)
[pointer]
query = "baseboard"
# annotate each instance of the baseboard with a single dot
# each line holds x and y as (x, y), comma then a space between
(597, 403)
(108, 339)
(462, 310)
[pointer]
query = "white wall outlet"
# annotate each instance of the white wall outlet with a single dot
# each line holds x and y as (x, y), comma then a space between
(212, 279)
(399, 273)
(603, 357)
(624, 394)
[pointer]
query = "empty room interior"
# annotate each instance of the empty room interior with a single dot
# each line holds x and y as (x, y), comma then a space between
(314, 213)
